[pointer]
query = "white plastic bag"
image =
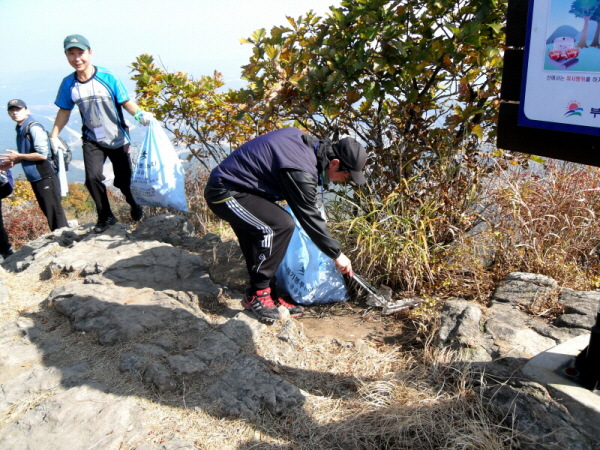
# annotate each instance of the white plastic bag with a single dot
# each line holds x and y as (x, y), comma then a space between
(307, 274)
(158, 178)
(62, 175)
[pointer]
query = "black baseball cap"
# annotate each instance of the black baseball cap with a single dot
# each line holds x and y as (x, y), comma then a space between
(353, 156)
(76, 40)
(16, 102)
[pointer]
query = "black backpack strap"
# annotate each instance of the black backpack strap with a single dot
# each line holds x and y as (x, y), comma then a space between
(28, 130)
(28, 136)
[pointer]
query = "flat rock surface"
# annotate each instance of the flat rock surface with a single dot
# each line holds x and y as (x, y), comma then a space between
(140, 320)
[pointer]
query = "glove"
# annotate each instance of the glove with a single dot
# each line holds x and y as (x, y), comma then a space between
(57, 145)
(143, 117)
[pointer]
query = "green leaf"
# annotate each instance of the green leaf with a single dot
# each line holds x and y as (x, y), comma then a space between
(478, 131)
(271, 51)
(537, 159)
(497, 27)
(258, 35)
(292, 22)
(277, 32)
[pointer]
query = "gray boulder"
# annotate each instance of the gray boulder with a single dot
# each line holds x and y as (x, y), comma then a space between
(500, 339)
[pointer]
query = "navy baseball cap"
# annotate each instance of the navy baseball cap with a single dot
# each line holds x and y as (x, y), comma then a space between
(16, 102)
(76, 40)
(353, 156)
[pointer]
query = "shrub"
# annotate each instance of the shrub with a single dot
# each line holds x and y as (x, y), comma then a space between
(546, 221)
(403, 237)
(22, 193)
(466, 238)
(78, 202)
(24, 223)
(199, 214)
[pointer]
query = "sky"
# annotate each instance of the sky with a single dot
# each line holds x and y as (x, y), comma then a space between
(559, 15)
(192, 36)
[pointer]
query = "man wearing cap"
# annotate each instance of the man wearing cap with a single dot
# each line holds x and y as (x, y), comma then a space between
(101, 98)
(33, 151)
(286, 164)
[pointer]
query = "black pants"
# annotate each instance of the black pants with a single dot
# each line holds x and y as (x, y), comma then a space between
(4, 243)
(264, 231)
(47, 193)
(94, 157)
(5, 190)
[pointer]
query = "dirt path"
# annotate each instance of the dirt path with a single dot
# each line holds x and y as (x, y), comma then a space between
(345, 321)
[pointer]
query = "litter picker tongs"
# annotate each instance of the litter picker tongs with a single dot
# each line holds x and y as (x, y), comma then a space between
(375, 298)
(374, 295)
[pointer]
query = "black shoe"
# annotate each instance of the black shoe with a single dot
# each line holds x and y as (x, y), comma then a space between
(101, 226)
(7, 253)
(295, 310)
(261, 304)
(137, 213)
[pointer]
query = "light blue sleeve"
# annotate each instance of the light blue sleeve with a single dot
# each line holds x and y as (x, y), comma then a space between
(114, 84)
(40, 140)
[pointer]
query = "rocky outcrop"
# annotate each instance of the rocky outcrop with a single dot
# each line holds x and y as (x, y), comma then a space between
(500, 338)
(136, 298)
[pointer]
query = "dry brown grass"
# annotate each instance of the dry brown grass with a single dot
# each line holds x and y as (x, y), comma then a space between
(27, 291)
(545, 305)
(546, 222)
(383, 415)
(379, 399)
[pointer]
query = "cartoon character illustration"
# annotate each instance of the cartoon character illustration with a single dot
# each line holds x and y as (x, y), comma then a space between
(563, 48)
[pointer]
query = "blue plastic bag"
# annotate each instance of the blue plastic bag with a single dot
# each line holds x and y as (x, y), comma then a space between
(306, 274)
(158, 178)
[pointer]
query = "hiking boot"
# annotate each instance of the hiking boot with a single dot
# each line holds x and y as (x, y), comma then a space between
(7, 253)
(101, 226)
(295, 310)
(261, 304)
(137, 213)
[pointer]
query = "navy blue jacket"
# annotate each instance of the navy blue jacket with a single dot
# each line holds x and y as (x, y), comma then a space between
(282, 165)
(254, 166)
(34, 170)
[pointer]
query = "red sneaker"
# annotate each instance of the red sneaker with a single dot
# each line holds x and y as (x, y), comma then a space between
(295, 310)
(261, 304)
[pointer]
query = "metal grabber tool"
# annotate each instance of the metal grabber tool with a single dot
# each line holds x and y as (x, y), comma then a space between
(376, 298)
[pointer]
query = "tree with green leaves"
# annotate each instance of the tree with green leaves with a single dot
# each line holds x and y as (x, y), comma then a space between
(388, 71)
(584, 9)
(596, 18)
(418, 83)
(207, 122)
